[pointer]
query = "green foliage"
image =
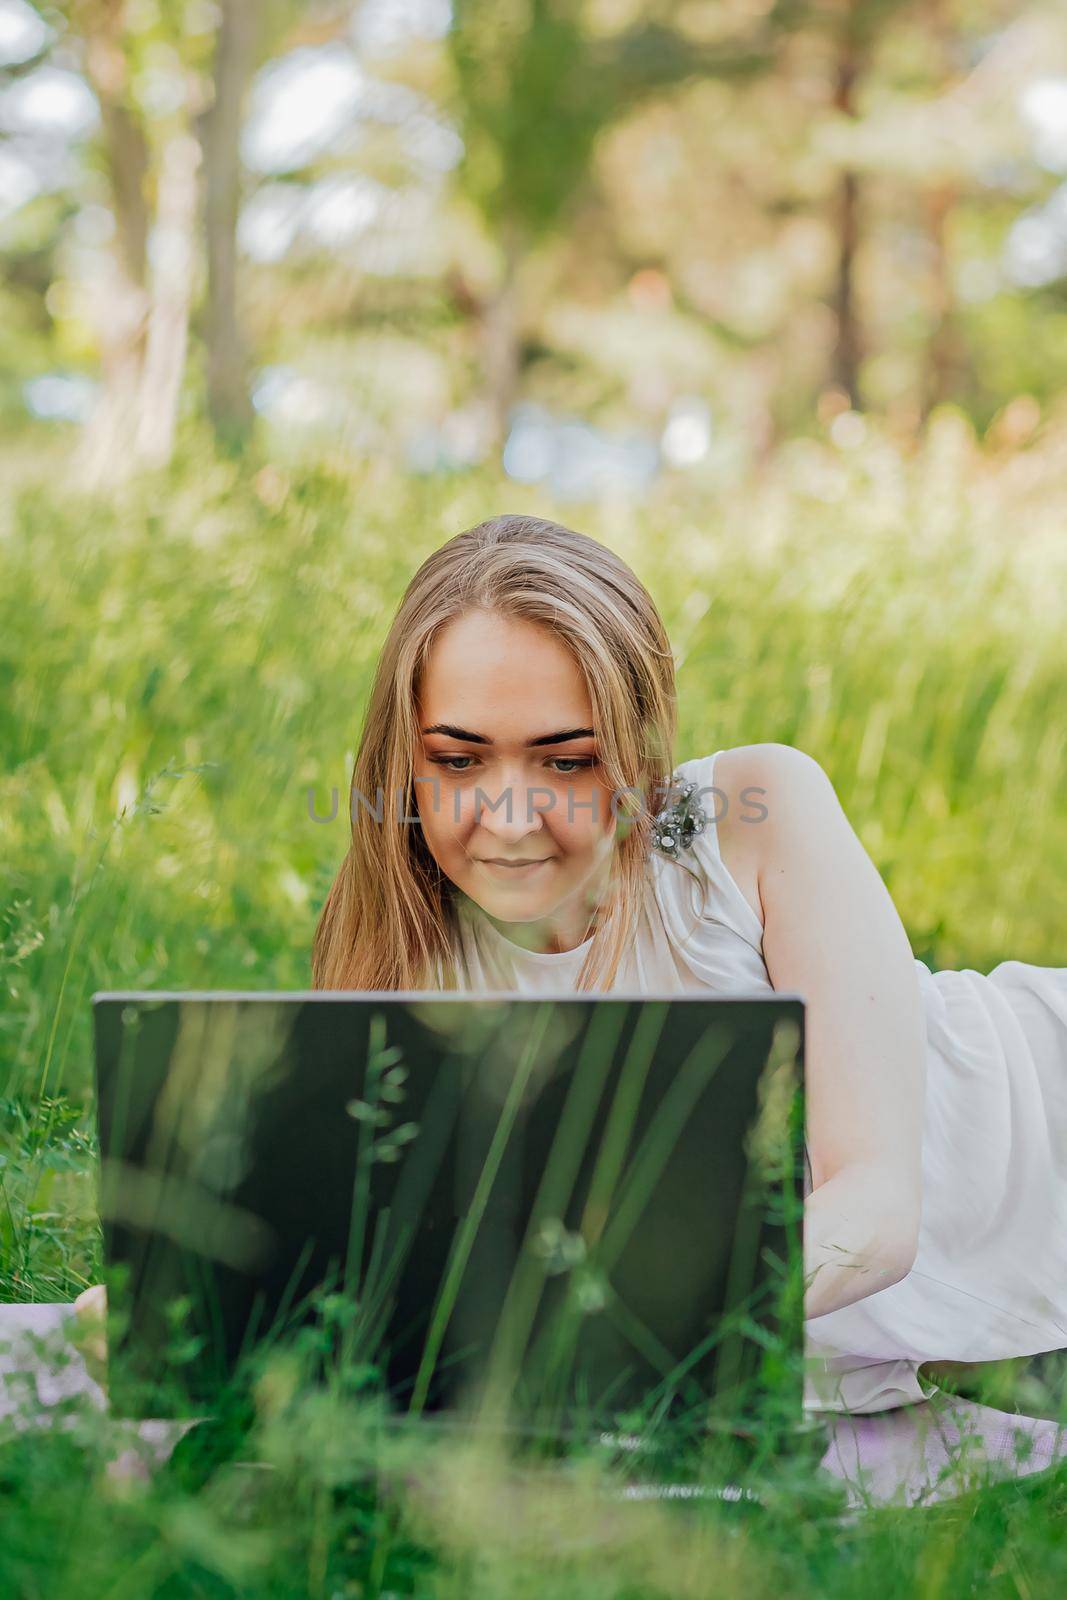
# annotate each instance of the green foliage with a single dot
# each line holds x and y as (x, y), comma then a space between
(511, 66)
(536, 86)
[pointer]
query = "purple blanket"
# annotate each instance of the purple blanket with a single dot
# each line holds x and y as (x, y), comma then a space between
(914, 1455)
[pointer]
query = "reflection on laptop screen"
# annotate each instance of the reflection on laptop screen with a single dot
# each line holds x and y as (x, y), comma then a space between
(567, 1212)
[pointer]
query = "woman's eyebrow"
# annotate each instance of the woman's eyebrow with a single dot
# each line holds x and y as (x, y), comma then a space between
(452, 732)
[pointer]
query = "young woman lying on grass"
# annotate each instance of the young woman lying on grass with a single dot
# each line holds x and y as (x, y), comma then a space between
(523, 714)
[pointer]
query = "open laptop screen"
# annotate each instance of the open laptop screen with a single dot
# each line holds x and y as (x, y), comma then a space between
(574, 1207)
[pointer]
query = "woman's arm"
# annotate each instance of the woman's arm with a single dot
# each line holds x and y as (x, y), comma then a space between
(90, 1331)
(832, 933)
(855, 1241)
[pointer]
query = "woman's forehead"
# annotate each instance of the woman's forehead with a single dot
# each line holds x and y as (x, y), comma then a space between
(502, 669)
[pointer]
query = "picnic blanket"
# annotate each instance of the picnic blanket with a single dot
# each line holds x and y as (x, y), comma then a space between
(911, 1455)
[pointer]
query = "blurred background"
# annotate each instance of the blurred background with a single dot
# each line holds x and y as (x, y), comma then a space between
(596, 241)
(769, 295)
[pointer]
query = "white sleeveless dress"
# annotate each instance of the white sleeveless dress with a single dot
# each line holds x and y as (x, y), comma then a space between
(990, 1276)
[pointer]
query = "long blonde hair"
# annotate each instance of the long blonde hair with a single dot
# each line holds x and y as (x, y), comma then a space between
(391, 919)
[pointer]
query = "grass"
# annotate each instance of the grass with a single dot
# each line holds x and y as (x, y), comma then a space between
(182, 664)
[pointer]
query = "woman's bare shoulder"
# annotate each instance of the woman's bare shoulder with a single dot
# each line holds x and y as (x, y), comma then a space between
(748, 777)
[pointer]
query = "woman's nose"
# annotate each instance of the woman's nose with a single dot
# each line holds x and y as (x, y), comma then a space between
(510, 809)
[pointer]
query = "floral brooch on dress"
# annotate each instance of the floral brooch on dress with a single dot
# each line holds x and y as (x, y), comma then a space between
(677, 825)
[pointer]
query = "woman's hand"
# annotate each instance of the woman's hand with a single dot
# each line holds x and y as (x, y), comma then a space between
(90, 1331)
(860, 1236)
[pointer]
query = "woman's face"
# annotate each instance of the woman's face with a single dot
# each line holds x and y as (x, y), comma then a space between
(507, 786)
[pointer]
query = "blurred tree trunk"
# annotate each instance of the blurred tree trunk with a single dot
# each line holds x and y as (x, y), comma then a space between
(500, 336)
(227, 378)
(848, 343)
(122, 316)
(173, 265)
(145, 299)
(942, 355)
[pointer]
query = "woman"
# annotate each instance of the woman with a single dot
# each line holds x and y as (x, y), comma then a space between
(524, 706)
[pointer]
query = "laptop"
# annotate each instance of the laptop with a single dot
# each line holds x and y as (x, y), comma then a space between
(564, 1215)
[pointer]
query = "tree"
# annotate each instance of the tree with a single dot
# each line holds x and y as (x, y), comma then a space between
(160, 153)
(122, 311)
(939, 128)
(535, 87)
(227, 379)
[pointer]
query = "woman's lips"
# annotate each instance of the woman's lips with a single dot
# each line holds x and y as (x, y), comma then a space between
(514, 869)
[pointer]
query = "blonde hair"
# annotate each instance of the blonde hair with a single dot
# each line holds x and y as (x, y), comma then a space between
(391, 920)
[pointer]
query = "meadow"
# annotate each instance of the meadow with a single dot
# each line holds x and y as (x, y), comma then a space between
(184, 666)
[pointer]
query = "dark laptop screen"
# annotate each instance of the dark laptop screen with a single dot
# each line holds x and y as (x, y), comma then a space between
(579, 1208)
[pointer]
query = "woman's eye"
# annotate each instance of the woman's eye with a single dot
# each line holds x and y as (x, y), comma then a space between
(572, 763)
(564, 765)
(447, 761)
